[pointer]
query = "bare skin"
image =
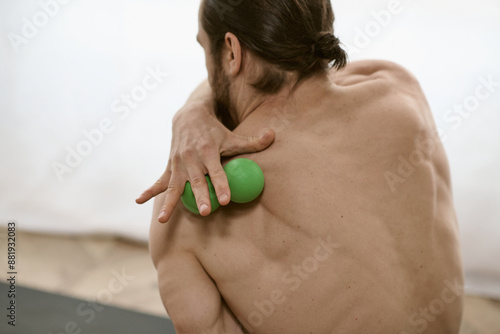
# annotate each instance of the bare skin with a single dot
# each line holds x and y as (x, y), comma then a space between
(336, 243)
(195, 126)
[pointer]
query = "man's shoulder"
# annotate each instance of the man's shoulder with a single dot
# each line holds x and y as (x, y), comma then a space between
(386, 72)
(392, 98)
(380, 68)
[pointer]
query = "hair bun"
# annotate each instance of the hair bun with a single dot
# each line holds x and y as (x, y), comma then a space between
(326, 46)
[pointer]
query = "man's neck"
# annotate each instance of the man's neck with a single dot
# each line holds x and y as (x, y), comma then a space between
(247, 100)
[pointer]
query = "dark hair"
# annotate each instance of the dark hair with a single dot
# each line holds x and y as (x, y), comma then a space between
(290, 35)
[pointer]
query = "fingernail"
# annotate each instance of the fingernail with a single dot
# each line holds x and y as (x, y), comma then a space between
(223, 198)
(203, 208)
(162, 215)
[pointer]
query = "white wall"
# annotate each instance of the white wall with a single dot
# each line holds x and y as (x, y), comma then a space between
(64, 79)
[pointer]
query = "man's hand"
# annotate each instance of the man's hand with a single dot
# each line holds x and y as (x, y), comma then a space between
(198, 142)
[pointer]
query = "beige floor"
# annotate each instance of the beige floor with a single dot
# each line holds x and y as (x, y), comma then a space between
(84, 267)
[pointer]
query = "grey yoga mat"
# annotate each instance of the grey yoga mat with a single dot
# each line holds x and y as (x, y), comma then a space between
(38, 312)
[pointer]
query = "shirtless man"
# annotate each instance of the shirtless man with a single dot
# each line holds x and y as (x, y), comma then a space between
(355, 231)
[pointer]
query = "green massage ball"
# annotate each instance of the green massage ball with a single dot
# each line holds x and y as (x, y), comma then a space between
(189, 200)
(246, 180)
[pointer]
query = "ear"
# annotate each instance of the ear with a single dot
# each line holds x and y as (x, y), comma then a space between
(233, 53)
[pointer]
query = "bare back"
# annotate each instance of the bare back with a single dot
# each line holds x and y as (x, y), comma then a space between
(355, 231)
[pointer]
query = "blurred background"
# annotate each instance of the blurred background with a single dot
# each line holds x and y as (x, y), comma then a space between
(88, 90)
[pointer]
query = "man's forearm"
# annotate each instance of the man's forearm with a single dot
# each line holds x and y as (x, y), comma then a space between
(202, 93)
(200, 100)
(201, 104)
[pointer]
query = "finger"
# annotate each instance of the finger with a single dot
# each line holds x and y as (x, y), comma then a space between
(160, 186)
(240, 144)
(200, 189)
(219, 180)
(172, 196)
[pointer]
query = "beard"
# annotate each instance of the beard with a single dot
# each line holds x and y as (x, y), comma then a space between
(222, 99)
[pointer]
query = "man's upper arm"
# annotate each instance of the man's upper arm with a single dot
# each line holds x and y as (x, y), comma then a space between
(190, 296)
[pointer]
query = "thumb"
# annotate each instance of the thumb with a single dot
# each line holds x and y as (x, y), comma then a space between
(236, 144)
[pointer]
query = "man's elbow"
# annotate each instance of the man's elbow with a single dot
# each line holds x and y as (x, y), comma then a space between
(192, 326)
